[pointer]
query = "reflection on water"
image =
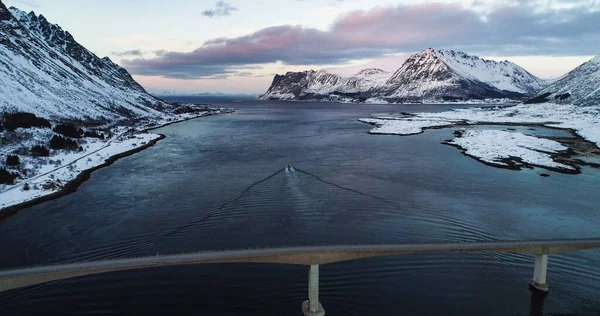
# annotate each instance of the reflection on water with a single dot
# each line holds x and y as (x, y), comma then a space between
(537, 303)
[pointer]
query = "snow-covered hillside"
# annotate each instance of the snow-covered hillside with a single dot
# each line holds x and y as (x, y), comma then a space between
(44, 71)
(64, 111)
(581, 86)
(323, 85)
(449, 74)
(432, 75)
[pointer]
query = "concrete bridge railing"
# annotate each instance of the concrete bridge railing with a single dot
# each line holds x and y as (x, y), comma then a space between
(312, 256)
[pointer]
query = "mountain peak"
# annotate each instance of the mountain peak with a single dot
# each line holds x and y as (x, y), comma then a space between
(428, 51)
(20, 15)
(5, 15)
(64, 79)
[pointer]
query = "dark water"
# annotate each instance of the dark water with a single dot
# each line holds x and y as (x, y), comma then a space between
(217, 183)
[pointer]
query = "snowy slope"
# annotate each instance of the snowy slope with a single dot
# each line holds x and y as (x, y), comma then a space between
(428, 75)
(320, 84)
(341, 81)
(581, 86)
(446, 73)
(505, 75)
(44, 71)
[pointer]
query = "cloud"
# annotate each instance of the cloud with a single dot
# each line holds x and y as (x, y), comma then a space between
(128, 53)
(243, 74)
(222, 9)
(523, 28)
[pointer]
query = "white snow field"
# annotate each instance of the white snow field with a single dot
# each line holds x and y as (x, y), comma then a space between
(409, 126)
(495, 147)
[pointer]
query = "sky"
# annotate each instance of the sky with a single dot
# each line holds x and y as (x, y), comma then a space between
(237, 46)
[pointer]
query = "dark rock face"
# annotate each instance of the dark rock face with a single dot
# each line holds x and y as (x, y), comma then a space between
(4, 13)
(292, 83)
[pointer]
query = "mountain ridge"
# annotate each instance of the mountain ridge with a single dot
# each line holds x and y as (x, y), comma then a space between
(580, 86)
(45, 71)
(433, 74)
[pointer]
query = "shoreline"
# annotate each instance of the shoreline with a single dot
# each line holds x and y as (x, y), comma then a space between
(492, 102)
(72, 185)
(83, 176)
(147, 130)
(565, 158)
(513, 162)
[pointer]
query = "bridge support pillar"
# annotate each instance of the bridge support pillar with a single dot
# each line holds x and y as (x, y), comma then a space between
(312, 307)
(539, 274)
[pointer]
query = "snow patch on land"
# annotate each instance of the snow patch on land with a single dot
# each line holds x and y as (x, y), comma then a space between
(500, 148)
(585, 121)
(409, 126)
(493, 146)
(52, 177)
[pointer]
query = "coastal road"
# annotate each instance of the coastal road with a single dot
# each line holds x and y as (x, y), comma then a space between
(18, 186)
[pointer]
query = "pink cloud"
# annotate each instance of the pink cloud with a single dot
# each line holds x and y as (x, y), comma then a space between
(367, 34)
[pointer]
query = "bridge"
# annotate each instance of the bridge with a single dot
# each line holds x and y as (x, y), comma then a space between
(312, 256)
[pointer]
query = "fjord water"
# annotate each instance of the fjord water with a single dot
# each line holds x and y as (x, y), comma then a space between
(218, 183)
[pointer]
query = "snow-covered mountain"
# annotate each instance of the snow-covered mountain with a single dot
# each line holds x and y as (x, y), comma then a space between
(323, 85)
(581, 86)
(44, 71)
(428, 75)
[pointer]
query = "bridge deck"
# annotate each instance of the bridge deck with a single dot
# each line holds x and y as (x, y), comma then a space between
(306, 255)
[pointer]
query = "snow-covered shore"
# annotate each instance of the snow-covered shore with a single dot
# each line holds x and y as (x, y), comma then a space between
(585, 121)
(437, 101)
(495, 147)
(377, 101)
(511, 150)
(408, 126)
(64, 171)
(53, 177)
